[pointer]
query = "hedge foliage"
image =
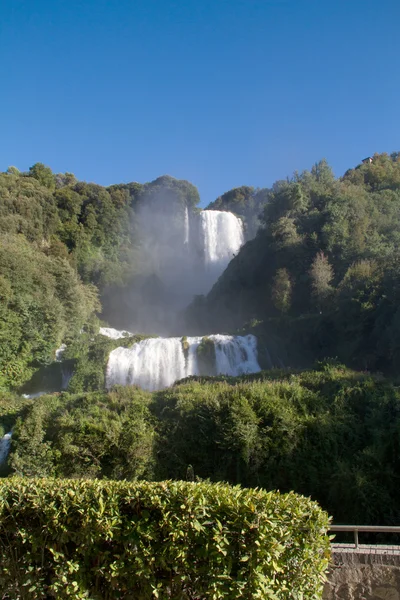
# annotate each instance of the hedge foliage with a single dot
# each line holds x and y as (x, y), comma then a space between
(93, 539)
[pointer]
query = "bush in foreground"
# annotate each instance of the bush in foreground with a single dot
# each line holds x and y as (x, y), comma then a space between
(106, 540)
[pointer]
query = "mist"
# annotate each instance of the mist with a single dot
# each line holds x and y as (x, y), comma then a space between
(181, 252)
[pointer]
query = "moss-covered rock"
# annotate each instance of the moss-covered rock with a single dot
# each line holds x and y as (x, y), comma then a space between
(185, 346)
(206, 357)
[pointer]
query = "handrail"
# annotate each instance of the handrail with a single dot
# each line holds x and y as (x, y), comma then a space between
(365, 528)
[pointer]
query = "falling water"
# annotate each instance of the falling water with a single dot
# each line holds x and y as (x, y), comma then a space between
(186, 240)
(152, 364)
(5, 444)
(114, 334)
(157, 363)
(235, 355)
(66, 370)
(59, 352)
(35, 395)
(223, 237)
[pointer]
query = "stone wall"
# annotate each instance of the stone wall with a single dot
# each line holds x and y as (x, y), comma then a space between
(363, 576)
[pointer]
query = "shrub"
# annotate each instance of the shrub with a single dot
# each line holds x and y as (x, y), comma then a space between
(80, 539)
(90, 435)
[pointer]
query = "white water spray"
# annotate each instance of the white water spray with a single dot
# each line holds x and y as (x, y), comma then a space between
(59, 352)
(5, 445)
(151, 364)
(156, 363)
(235, 355)
(114, 334)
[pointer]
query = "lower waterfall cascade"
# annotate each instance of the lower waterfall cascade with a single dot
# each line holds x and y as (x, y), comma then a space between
(156, 363)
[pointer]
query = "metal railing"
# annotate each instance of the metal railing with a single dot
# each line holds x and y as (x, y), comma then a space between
(364, 528)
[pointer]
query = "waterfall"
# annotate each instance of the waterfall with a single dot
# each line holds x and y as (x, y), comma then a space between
(5, 444)
(59, 352)
(114, 334)
(192, 363)
(157, 363)
(186, 239)
(152, 364)
(235, 355)
(66, 370)
(66, 375)
(35, 395)
(223, 236)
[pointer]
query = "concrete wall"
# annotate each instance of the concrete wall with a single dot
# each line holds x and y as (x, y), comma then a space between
(363, 576)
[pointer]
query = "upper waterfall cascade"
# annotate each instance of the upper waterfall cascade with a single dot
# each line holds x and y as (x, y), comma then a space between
(157, 363)
(191, 245)
(222, 236)
(180, 254)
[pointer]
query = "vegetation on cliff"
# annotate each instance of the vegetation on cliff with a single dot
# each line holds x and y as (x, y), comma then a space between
(206, 356)
(323, 272)
(246, 201)
(63, 245)
(329, 433)
(321, 278)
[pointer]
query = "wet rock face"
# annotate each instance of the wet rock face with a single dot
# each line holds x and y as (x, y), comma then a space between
(363, 578)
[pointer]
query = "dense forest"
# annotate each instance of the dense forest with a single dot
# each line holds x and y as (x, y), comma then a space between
(64, 244)
(329, 433)
(321, 278)
(317, 281)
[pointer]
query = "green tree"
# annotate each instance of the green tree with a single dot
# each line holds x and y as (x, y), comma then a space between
(321, 274)
(86, 435)
(43, 302)
(284, 233)
(282, 291)
(43, 174)
(13, 171)
(65, 179)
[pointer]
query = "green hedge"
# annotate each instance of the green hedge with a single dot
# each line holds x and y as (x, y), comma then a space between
(108, 539)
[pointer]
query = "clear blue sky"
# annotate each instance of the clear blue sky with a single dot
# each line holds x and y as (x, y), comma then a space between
(221, 92)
